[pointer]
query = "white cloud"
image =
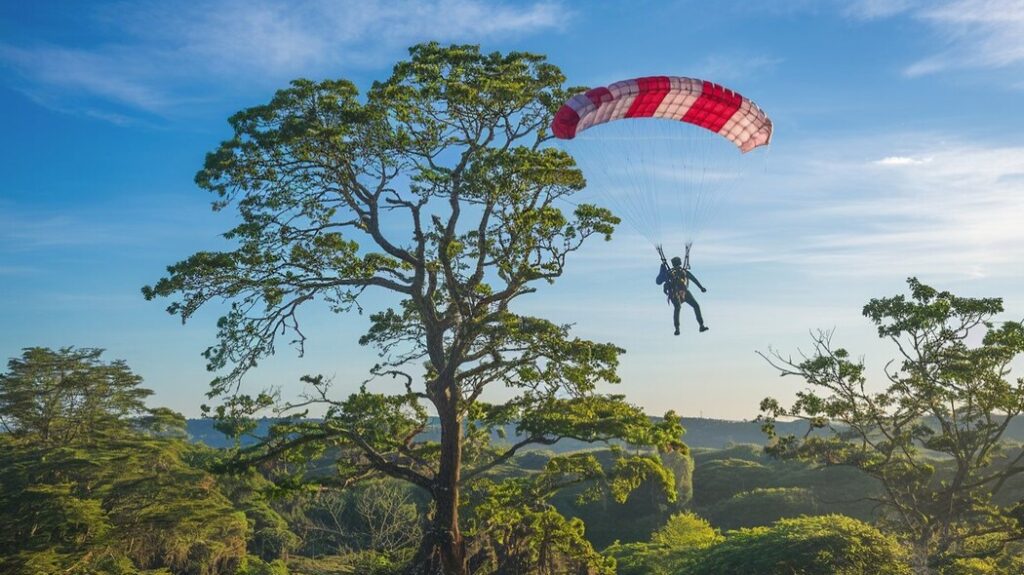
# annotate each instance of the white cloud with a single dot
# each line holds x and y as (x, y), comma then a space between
(953, 211)
(973, 33)
(162, 59)
(115, 75)
(136, 221)
(901, 161)
(985, 32)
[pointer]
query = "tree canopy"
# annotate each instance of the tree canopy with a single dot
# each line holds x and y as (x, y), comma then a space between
(68, 395)
(94, 482)
(934, 435)
(438, 188)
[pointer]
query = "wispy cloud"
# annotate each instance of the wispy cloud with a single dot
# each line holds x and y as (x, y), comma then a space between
(973, 33)
(12, 271)
(38, 232)
(948, 210)
(901, 161)
(736, 66)
(952, 210)
(152, 220)
(871, 9)
(161, 59)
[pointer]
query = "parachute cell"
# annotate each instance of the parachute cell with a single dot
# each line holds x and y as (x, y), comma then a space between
(699, 102)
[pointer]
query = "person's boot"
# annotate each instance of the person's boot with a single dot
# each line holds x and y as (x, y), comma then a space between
(677, 330)
(703, 328)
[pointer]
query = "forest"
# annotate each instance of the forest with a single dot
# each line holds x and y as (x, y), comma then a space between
(96, 481)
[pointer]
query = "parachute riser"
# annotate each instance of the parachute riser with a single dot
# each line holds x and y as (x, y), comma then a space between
(661, 252)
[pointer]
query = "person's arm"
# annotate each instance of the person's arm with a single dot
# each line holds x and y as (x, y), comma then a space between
(662, 275)
(695, 280)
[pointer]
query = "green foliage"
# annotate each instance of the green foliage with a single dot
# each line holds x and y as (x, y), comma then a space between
(58, 397)
(76, 506)
(680, 464)
(634, 518)
(763, 506)
(933, 439)
(686, 531)
(721, 479)
(825, 545)
(437, 187)
(637, 558)
(972, 566)
(256, 566)
(516, 530)
(673, 547)
(119, 500)
(357, 563)
(783, 488)
(271, 538)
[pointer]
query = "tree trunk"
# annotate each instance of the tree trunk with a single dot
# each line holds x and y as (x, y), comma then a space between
(443, 550)
(920, 557)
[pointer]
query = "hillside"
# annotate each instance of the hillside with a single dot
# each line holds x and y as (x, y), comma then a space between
(700, 433)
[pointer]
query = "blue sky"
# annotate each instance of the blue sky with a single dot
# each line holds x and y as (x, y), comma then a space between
(898, 152)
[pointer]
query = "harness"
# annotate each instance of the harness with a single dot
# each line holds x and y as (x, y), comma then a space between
(678, 282)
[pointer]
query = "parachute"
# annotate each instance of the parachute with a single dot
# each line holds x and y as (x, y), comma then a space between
(671, 170)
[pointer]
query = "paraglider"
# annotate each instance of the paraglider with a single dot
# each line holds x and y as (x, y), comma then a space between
(672, 169)
(675, 282)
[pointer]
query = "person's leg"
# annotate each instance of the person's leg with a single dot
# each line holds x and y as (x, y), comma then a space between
(675, 313)
(696, 310)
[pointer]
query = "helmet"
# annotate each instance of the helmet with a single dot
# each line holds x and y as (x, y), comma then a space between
(677, 261)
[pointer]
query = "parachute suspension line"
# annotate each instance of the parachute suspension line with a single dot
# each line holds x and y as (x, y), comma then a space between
(675, 161)
(646, 174)
(625, 182)
(640, 195)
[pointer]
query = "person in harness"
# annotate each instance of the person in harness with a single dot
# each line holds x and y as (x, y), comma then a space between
(675, 281)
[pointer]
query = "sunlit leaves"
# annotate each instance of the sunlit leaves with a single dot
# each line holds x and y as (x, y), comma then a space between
(934, 434)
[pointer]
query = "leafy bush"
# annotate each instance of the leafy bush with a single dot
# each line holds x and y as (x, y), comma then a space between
(720, 479)
(823, 545)
(763, 506)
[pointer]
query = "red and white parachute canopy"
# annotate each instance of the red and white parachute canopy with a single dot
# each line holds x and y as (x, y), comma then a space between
(699, 102)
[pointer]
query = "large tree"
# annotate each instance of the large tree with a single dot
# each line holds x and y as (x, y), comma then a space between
(933, 436)
(437, 187)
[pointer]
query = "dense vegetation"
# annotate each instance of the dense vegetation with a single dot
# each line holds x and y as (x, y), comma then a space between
(141, 496)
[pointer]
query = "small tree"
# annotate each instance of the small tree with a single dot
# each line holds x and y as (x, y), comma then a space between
(444, 173)
(68, 395)
(949, 395)
(673, 549)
